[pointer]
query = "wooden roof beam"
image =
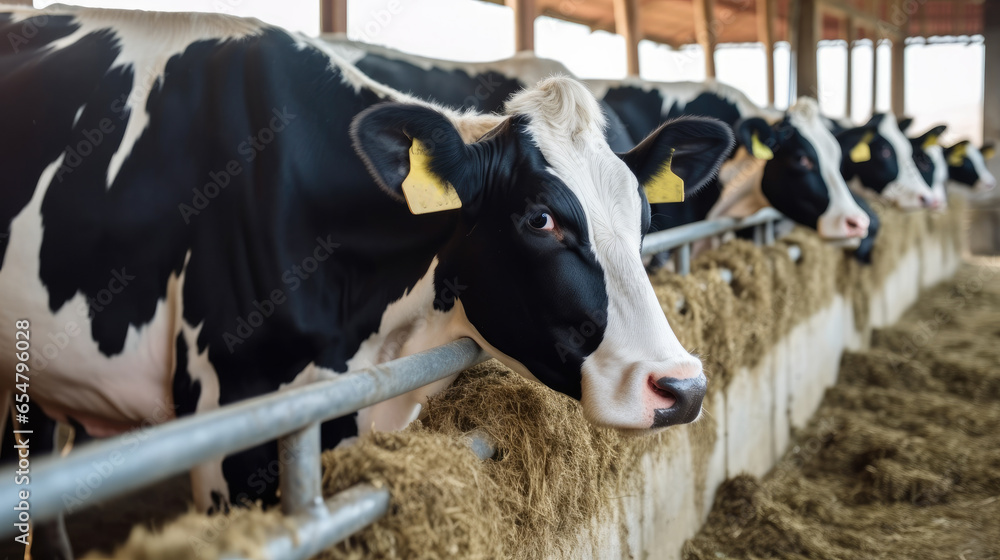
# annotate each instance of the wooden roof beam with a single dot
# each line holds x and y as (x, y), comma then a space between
(871, 19)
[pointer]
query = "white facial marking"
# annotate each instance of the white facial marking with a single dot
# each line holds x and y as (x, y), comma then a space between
(638, 343)
(843, 217)
(908, 190)
(986, 181)
(936, 154)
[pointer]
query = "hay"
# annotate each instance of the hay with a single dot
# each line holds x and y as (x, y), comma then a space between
(192, 536)
(903, 457)
(555, 475)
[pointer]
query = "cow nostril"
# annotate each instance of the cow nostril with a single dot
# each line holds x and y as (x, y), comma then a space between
(687, 396)
(661, 391)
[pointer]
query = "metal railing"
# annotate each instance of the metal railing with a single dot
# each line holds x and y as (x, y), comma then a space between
(293, 417)
(682, 237)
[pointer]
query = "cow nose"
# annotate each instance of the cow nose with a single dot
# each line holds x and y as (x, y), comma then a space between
(687, 395)
(929, 201)
(857, 226)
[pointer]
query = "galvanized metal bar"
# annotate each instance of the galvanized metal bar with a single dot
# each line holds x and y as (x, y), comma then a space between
(758, 234)
(769, 232)
(684, 260)
(143, 457)
(481, 444)
(675, 237)
(342, 515)
(300, 472)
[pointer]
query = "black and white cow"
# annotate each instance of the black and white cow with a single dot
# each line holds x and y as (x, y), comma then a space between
(480, 86)
(928, 155)
(967, 165)
(789, 161)
(878, 158)
(198, 209)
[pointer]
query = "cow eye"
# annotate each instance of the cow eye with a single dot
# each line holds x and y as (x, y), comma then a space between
(542, 221)
(806, 163)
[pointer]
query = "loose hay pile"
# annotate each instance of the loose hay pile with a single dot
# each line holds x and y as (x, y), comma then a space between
(903, 458)
(554, 473)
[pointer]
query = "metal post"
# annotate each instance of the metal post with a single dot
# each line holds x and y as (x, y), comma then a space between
(769, 233)
(299, 460)
(684, 260)
(346, 513)
(758, 235)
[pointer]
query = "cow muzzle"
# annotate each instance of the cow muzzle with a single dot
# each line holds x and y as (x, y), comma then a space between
(687, 395)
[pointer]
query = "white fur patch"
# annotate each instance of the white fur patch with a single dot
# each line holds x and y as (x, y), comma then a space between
(147, 40)
(986, 179)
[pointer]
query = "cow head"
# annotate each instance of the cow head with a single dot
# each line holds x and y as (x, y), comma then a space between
(928, 156)
(546, 246)
(967, 165)
(802, 175)
(881, 157)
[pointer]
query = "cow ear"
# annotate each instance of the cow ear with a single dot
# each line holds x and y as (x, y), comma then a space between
(857, 142)
(757, 136)
(415, 153)
(905, 123)
(956, 154)
(679, 157)
(988, 150)
(930, 138)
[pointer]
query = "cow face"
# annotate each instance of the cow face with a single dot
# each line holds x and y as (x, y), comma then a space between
(881, 157)
(967, 165)
(546, 248)
(802, 175)
(928, 156)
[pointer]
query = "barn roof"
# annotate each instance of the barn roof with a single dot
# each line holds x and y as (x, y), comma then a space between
(672, 22)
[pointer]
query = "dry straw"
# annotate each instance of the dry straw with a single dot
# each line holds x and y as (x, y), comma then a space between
(903, 458)
(554, 473)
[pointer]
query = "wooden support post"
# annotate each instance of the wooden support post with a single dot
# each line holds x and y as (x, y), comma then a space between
(851, 35)
(874, 7)
(704, 19)
(898, 77)
(991, 81)
(333, 16)
(766, 10)
(874, 72)
(627, 25)
(806, 76)
(525, 12)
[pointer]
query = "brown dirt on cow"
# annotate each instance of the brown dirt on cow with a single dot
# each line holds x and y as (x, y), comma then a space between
(903, 458)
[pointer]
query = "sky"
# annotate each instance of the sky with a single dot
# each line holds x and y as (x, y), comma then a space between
(944, 82)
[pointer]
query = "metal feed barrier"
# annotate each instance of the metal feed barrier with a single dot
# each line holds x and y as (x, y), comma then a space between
(292, 417)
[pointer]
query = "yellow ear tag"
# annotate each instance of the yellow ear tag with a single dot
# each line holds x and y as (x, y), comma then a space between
(425, 192)
(665, 186)
(930, 141)
(760, 149)
(988, 153)
(957, 156)
(862, 152)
